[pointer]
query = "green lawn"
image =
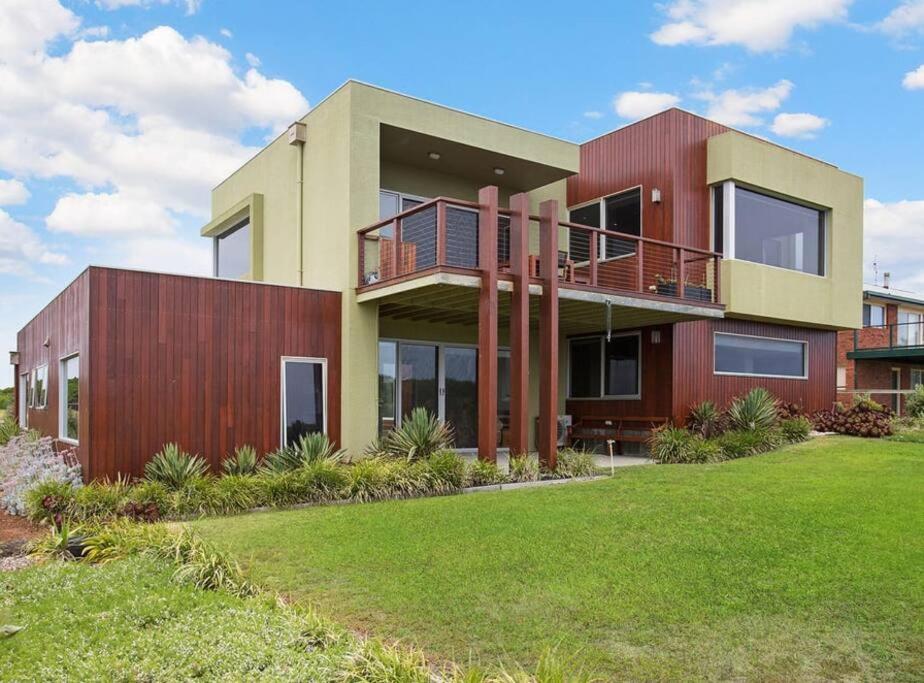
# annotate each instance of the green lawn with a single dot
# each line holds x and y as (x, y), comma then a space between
(801, 564)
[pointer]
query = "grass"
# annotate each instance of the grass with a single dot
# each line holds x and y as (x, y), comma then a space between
(128, 620)
(801, 564)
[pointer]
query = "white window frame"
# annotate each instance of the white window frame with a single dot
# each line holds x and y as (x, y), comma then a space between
(919, 374)
(882, 308)
(805, 356)
(282, 390)
(603, 395)
(728, 223)
(906, 328)
(23, 400)
(401, 197)
(601, 202)
(44, 404)
(62, 400)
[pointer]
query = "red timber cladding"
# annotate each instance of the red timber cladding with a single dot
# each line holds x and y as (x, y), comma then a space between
(696, 381)
(197, 361)
(656, 360)
(666, 151)
(63, 322)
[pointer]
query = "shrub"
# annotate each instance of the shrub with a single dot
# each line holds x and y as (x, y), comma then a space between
(57, 543)
(323, 480)
(908, 429)
(523, 468)
(484, 473)
(174, 468)
(9, 428)
(101, 500)
(787, 410)
(864, 400)
(795, 429)
(706, 420)
(282, 488)
(147, 501)
(310, 448)
(756, 410)
(420, 435)
(50, 501)
(572, 463)
(914, 403)
(740, 443)
(669, 444)
(369, 479)
(25, 462)
(866, 418)
(242, 461)
(447, 470)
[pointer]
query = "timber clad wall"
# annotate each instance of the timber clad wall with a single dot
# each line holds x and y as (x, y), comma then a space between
(695, 380)
(186, 359)
(64, 323)
(667, 152)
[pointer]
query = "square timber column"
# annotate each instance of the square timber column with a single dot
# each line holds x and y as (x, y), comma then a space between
(487, 324)
(519, 324)
(548, 334)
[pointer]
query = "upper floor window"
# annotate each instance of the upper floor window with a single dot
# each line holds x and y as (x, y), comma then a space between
(232, 251)
(752, 226)
(873, 315)
(393, 203)
(620, 212)
(910, 328)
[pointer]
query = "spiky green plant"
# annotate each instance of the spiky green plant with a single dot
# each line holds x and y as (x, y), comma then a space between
(242, 461)
(756, 410)
(309, 449)
(706, 420)
(9, 428)
(420, 435)
(174, 468)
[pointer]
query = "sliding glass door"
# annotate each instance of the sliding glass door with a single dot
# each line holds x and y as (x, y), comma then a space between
(419, 382)
(461, 394)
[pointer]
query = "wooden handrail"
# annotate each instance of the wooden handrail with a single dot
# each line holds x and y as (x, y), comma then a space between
(416, 209)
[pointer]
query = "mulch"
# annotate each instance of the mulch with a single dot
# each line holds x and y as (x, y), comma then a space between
(16, 530)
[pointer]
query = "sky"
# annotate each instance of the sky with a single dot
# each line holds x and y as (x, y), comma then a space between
(117, 117)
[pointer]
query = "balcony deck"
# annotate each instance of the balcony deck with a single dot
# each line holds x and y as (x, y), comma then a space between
(894, 341)
(421, 254)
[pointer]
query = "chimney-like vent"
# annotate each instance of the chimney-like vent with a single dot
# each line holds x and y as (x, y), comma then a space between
(886, 280)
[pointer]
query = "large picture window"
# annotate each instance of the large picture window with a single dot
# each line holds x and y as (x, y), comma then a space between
(69, 401)
(737, 354)
(598, 368)
(40, 387)
(618, 213)
(753, 226)
(304, 398)
(232, 252)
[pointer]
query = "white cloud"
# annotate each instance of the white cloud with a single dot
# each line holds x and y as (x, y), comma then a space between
(907, 18)
(20, 247)
(637, 105)
(189, 257)
(192, 6)
(914, 80)
(594, 115)
(13, 191)
(758, 25)
(26, 26)
(252, 59)
(889, 230)
(109, 214)
(798, 125)
(742, 107)
(226, 32)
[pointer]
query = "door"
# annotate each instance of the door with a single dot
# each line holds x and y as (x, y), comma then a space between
(418, 378)
(896, 388)
(460, 394)
(23, 389)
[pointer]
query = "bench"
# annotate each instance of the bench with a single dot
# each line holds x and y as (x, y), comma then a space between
(623, 429)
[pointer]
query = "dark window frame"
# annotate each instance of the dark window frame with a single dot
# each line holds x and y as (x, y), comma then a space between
(602, 341)
(616, 248)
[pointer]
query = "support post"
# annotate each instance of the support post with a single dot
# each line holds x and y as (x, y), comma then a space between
(487, 324)
(519, 324)
(548, 334)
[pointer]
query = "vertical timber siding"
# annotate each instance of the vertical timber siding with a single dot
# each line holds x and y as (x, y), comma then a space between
(666, 151)
(695, 380)
(64, 324)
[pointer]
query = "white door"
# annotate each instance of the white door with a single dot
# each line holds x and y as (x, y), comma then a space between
(23, 380)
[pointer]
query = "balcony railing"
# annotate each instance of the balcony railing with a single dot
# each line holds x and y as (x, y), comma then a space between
(890, 337)
(442, 234)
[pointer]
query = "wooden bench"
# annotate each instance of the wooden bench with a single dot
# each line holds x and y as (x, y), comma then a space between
(622, 429)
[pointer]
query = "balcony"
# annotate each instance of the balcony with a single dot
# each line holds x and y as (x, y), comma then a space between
(442, 236)
(894, 341)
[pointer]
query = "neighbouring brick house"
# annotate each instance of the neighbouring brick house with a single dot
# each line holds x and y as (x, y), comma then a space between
(886, 357)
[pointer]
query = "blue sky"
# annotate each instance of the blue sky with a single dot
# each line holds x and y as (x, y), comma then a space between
(117, 116)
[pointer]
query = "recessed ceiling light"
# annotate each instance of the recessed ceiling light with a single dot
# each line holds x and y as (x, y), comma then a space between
(434, 155)
(498, 170)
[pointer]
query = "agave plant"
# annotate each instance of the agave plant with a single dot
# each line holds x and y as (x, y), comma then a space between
(756, 410)
(174, 468)
(706, 420)
(420, 435)
(243, 461)
(309, 449)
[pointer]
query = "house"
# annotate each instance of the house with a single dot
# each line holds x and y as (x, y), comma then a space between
(886, 357)
(500, 278)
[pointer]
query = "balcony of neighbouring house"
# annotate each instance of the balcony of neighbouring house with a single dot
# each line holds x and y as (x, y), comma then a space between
(437, 242)
(900, 342)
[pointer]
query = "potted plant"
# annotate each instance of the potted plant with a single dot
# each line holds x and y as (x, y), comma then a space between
(668, 287)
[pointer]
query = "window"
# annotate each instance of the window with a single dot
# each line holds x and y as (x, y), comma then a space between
(910, 328)
(599, 368)
(40, 387)
(232, 252)
(619, 213)
(393, 203)
(30, 388)
(873, 315)
(763, 229)
(842, 378)
(917, 377)
(304, 397)
(737, 354)
(718, 210)
(69, 400)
